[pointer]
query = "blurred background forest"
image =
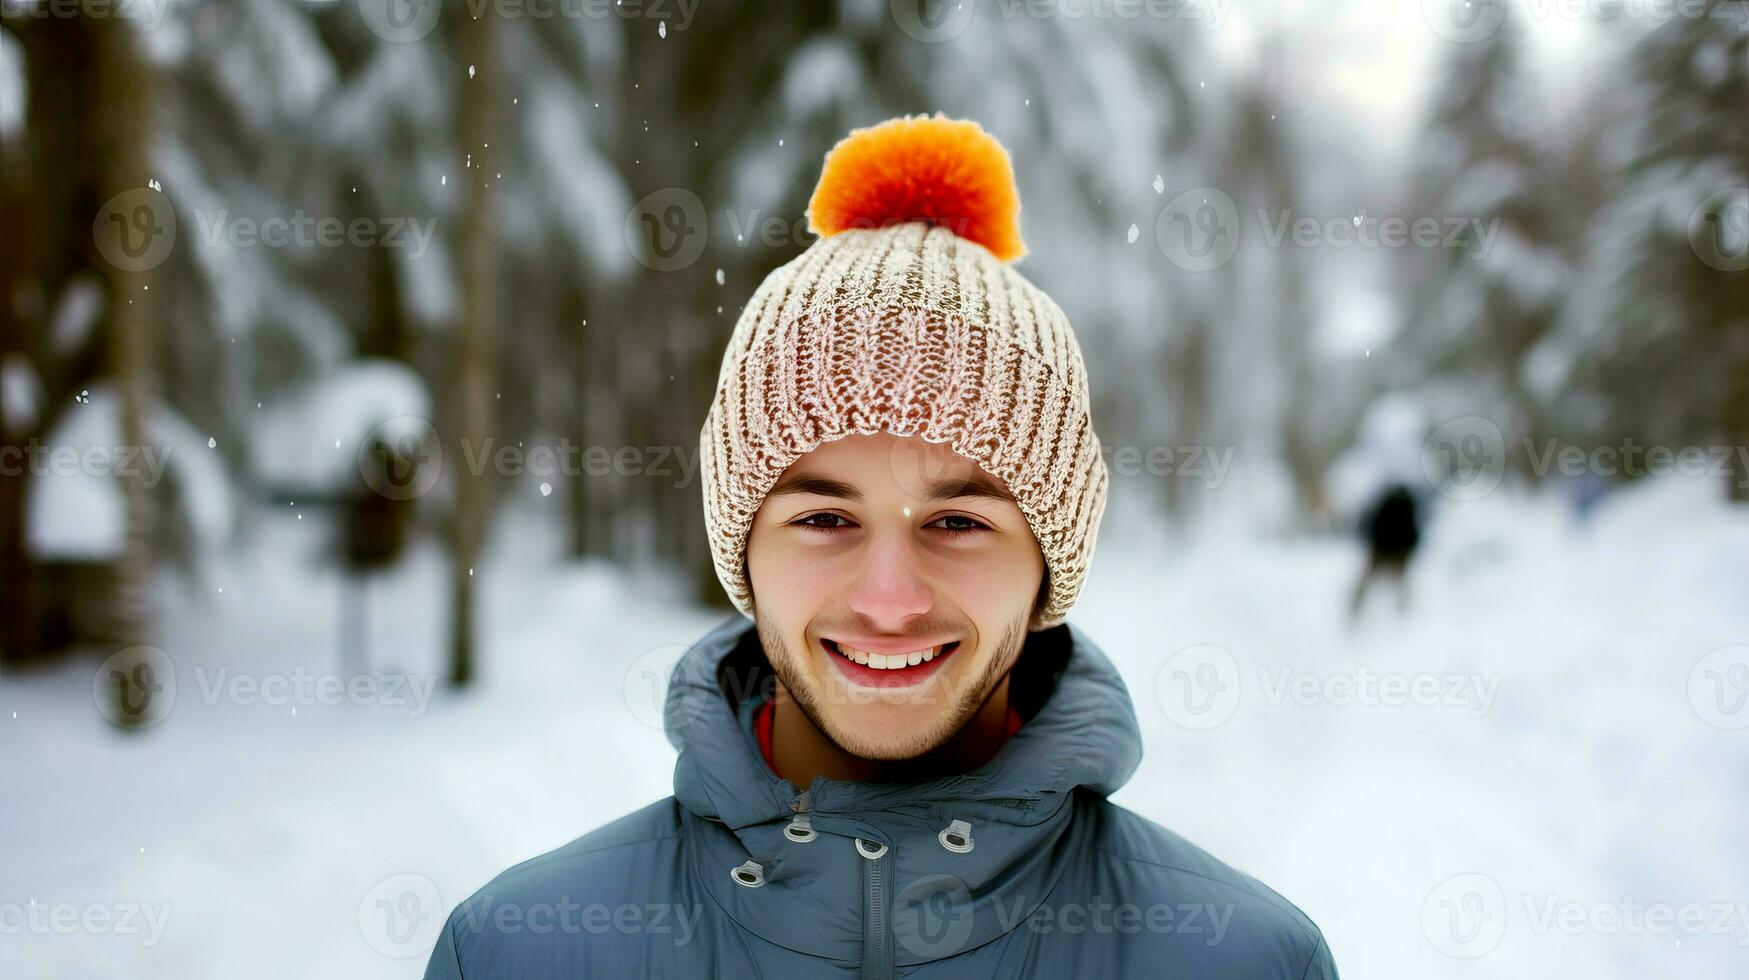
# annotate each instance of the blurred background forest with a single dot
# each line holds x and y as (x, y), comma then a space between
(298, 295)
(546, 149)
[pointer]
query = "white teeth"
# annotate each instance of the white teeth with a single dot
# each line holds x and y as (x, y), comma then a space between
(886, 661)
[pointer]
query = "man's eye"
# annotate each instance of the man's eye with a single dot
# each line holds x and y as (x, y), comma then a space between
(806, 522)
(976, 525)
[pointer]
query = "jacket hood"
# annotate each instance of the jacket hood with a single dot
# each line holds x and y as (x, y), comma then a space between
(1083, 736)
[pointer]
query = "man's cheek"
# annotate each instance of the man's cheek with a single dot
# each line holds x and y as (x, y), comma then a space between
(998, 590)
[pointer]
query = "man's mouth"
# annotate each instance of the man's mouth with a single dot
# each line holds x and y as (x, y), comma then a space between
(869, 669)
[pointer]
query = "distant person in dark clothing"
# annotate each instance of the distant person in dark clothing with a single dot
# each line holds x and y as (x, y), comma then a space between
(373, 533)
(1392, 530)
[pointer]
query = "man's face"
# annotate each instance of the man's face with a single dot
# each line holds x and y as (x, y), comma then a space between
(888, 549)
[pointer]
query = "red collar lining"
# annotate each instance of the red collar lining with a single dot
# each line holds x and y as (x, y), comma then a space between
(762, 718)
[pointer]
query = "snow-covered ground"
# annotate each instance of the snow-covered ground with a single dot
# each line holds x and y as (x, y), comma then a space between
(1558, 791)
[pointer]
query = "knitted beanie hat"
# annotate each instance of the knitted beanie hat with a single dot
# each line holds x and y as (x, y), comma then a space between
(905, 316)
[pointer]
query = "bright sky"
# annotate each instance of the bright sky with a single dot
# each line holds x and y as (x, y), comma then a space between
(1375, 58)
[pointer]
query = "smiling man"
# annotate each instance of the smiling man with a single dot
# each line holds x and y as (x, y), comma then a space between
(897, 608)
(901, 766)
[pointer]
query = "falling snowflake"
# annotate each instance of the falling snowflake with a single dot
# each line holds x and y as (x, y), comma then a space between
(546, 489)
(1134, 234)
(720, 277)
(470, 71)
(662, 29)
(1159, 184)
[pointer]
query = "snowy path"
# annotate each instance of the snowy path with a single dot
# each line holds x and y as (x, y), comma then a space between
(1551, 747)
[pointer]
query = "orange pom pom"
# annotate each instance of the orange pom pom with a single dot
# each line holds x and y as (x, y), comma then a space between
(944, 171)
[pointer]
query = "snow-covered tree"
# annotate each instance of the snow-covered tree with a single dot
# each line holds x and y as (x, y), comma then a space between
(1655, 344)
(1475, 308)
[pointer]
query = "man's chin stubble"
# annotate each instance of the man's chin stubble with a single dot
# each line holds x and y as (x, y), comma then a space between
(965, 702)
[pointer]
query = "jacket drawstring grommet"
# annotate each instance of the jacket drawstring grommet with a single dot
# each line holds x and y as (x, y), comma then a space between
(957, 837)
(748, 873)
(870, 849)
(800, 830)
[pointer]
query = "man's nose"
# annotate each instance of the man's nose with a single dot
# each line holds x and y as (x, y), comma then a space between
(892, 587)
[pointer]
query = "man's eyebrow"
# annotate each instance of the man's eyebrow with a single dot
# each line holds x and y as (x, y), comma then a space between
(977, 485)
(818, 485)
(949, 488)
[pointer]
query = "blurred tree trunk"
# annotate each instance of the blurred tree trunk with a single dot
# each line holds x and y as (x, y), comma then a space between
(46, 179)
(477, 365)
(19, 278)
(579, 497)
(1735, 421)
(124, 86)
(1187, 371)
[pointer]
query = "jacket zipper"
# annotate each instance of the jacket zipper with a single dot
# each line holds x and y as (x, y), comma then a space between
(877, 945)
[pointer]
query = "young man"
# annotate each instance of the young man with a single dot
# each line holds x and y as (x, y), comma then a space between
(901, 766)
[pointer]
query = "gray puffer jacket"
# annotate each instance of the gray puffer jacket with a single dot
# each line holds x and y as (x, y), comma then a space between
(1021, 868)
